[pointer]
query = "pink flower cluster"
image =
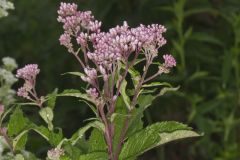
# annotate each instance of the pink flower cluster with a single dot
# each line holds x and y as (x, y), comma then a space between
(74, 22)
(121, 41)
(28, 74)
(108, 47)
(169, 61)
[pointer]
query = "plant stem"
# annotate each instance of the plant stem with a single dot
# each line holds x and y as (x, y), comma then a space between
(108, 137)
(79, 60)
(5, 136)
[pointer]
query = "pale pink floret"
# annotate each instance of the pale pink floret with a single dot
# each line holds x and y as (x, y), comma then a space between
(28, 72)
(169, 61)
(65, 40)
(22, 92)
(73, 20)
(66, 9)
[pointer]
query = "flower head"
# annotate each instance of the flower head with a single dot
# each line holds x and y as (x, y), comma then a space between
(29, 72)
(65, 40)
(169, 61)
(66, 9)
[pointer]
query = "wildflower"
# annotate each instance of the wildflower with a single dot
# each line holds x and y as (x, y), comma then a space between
(73, 20)
(23, 92)
(66, 9)
(28, 74)
(169, 62)
(65, 40)
(82, 39)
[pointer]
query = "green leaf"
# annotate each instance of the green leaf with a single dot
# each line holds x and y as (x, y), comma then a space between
(226, 67)
(55, 137)
(47, 115)
(80, 133)
(52, 99)
(79, 74)
(139, 143)
(177, 47)
(75, 93)
(139, 61)
(199, 10)
(176, 135)
(135, 75)
(27, 104)
(5, 114)
(204, 37)
(20, 141)
(126, 99)
(17, 122)
(72, 151)
(168, 89)
(97, 142)
(41, 130)
(94, 156)
(153, 136)
(197, 75)
(154, 84)
(188, 33)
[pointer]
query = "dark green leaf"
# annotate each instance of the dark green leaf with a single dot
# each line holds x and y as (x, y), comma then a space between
(153, 136)
(96, 141)
(17, 122)
(52, 99)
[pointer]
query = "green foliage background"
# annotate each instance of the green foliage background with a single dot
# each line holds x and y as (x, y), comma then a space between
(204, 36)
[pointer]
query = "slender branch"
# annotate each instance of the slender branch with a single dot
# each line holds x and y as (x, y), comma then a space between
(108, 137)
(79, 60)
(85, 54)
(152, 77)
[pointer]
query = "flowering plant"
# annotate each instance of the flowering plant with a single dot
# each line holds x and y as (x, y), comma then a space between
(117, 91)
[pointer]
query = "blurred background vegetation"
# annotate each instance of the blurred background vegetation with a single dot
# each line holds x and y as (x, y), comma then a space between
(204, 36)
